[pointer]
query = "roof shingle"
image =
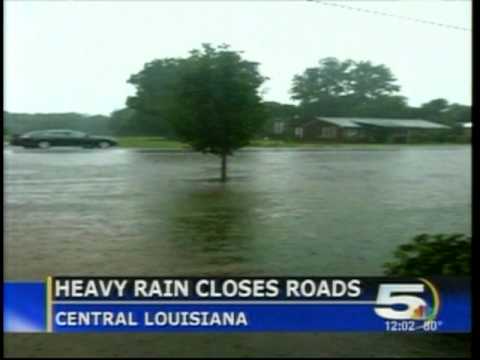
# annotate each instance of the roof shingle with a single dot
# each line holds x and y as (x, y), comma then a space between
(382, 122)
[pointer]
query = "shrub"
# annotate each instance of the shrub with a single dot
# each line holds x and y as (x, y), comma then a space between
(430, 255)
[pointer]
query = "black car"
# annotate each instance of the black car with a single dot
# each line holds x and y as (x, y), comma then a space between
(46, 138)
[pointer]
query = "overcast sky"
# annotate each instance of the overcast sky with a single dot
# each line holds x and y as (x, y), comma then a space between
(77, 55)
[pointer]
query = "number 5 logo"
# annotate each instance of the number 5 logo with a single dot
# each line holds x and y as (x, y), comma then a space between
(386, 298)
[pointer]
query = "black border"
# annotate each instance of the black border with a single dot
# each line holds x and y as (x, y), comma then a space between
(474, 159)
(475, 210)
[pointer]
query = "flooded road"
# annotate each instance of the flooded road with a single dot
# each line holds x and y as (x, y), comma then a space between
(312, 213)
(71, 212)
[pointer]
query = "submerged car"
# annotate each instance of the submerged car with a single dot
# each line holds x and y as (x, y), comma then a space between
(44, 139)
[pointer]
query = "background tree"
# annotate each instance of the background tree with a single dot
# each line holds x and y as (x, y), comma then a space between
(211, 98)
(18, 123)
(441, 110)
(371, 82)
(330, 79)
(276, 112)
(432, 255)
(384, 107)
(348, 88)
(433, 109)
(130, 122)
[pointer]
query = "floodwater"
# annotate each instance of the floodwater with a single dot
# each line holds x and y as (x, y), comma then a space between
(283, 212)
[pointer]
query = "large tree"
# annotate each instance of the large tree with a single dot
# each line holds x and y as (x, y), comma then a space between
(441, 110)
(128, 121)
(18, 123)
(211, 98)
(371, 82)
(328, 80)
(347, 88)
(433, 109)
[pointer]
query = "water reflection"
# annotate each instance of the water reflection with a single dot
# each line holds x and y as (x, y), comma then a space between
(298, 213)
(213, 224)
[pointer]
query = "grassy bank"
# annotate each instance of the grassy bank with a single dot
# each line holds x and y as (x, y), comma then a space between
(150, 142)
(162, 143)
(157, 142)
(153, 142)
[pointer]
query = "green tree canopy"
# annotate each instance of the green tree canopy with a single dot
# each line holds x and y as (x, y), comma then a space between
(348, 88)
(211, 98)
(19, 123)
(432, 255)
(128, 121)
(442, 111)
(370, 82)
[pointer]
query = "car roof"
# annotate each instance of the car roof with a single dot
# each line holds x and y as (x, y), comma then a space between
(53, 130)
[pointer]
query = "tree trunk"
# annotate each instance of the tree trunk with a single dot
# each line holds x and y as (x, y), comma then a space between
(224, 167)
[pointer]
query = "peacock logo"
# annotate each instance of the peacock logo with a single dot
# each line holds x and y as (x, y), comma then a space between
(421, 301)
(426, 312)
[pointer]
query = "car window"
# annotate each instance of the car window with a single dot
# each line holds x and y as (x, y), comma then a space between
(68, 133)
(36, 133)
(56, 133)
(77, 134)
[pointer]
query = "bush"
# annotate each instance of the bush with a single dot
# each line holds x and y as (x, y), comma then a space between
(430, 255)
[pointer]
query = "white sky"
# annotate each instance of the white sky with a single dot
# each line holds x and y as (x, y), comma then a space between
(77, 55)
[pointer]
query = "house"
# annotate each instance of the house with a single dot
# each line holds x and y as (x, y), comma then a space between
(342, 129)
(278, 127)
(467, 130)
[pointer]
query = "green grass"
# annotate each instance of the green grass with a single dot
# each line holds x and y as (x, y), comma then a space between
(157, 142)
(278, 143)
(150, 142)
(298, 144)
(162, 143)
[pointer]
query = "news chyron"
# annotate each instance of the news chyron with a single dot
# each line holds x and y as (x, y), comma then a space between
(161, 304)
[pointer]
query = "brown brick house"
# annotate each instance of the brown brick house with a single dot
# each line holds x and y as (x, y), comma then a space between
(339, 129)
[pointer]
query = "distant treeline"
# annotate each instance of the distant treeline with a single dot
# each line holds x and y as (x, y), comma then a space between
(128, 122)
(18, 123)
(332, 88)
(122, 122)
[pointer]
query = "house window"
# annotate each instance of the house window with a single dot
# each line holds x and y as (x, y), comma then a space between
(278, 127)
(350, 133)
(299, 132)
(329, 132)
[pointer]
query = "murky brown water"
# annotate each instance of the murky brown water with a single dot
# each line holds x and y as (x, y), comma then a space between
(337, 212)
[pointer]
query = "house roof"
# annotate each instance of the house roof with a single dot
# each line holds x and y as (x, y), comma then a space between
(340, 122)
(390, 123)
